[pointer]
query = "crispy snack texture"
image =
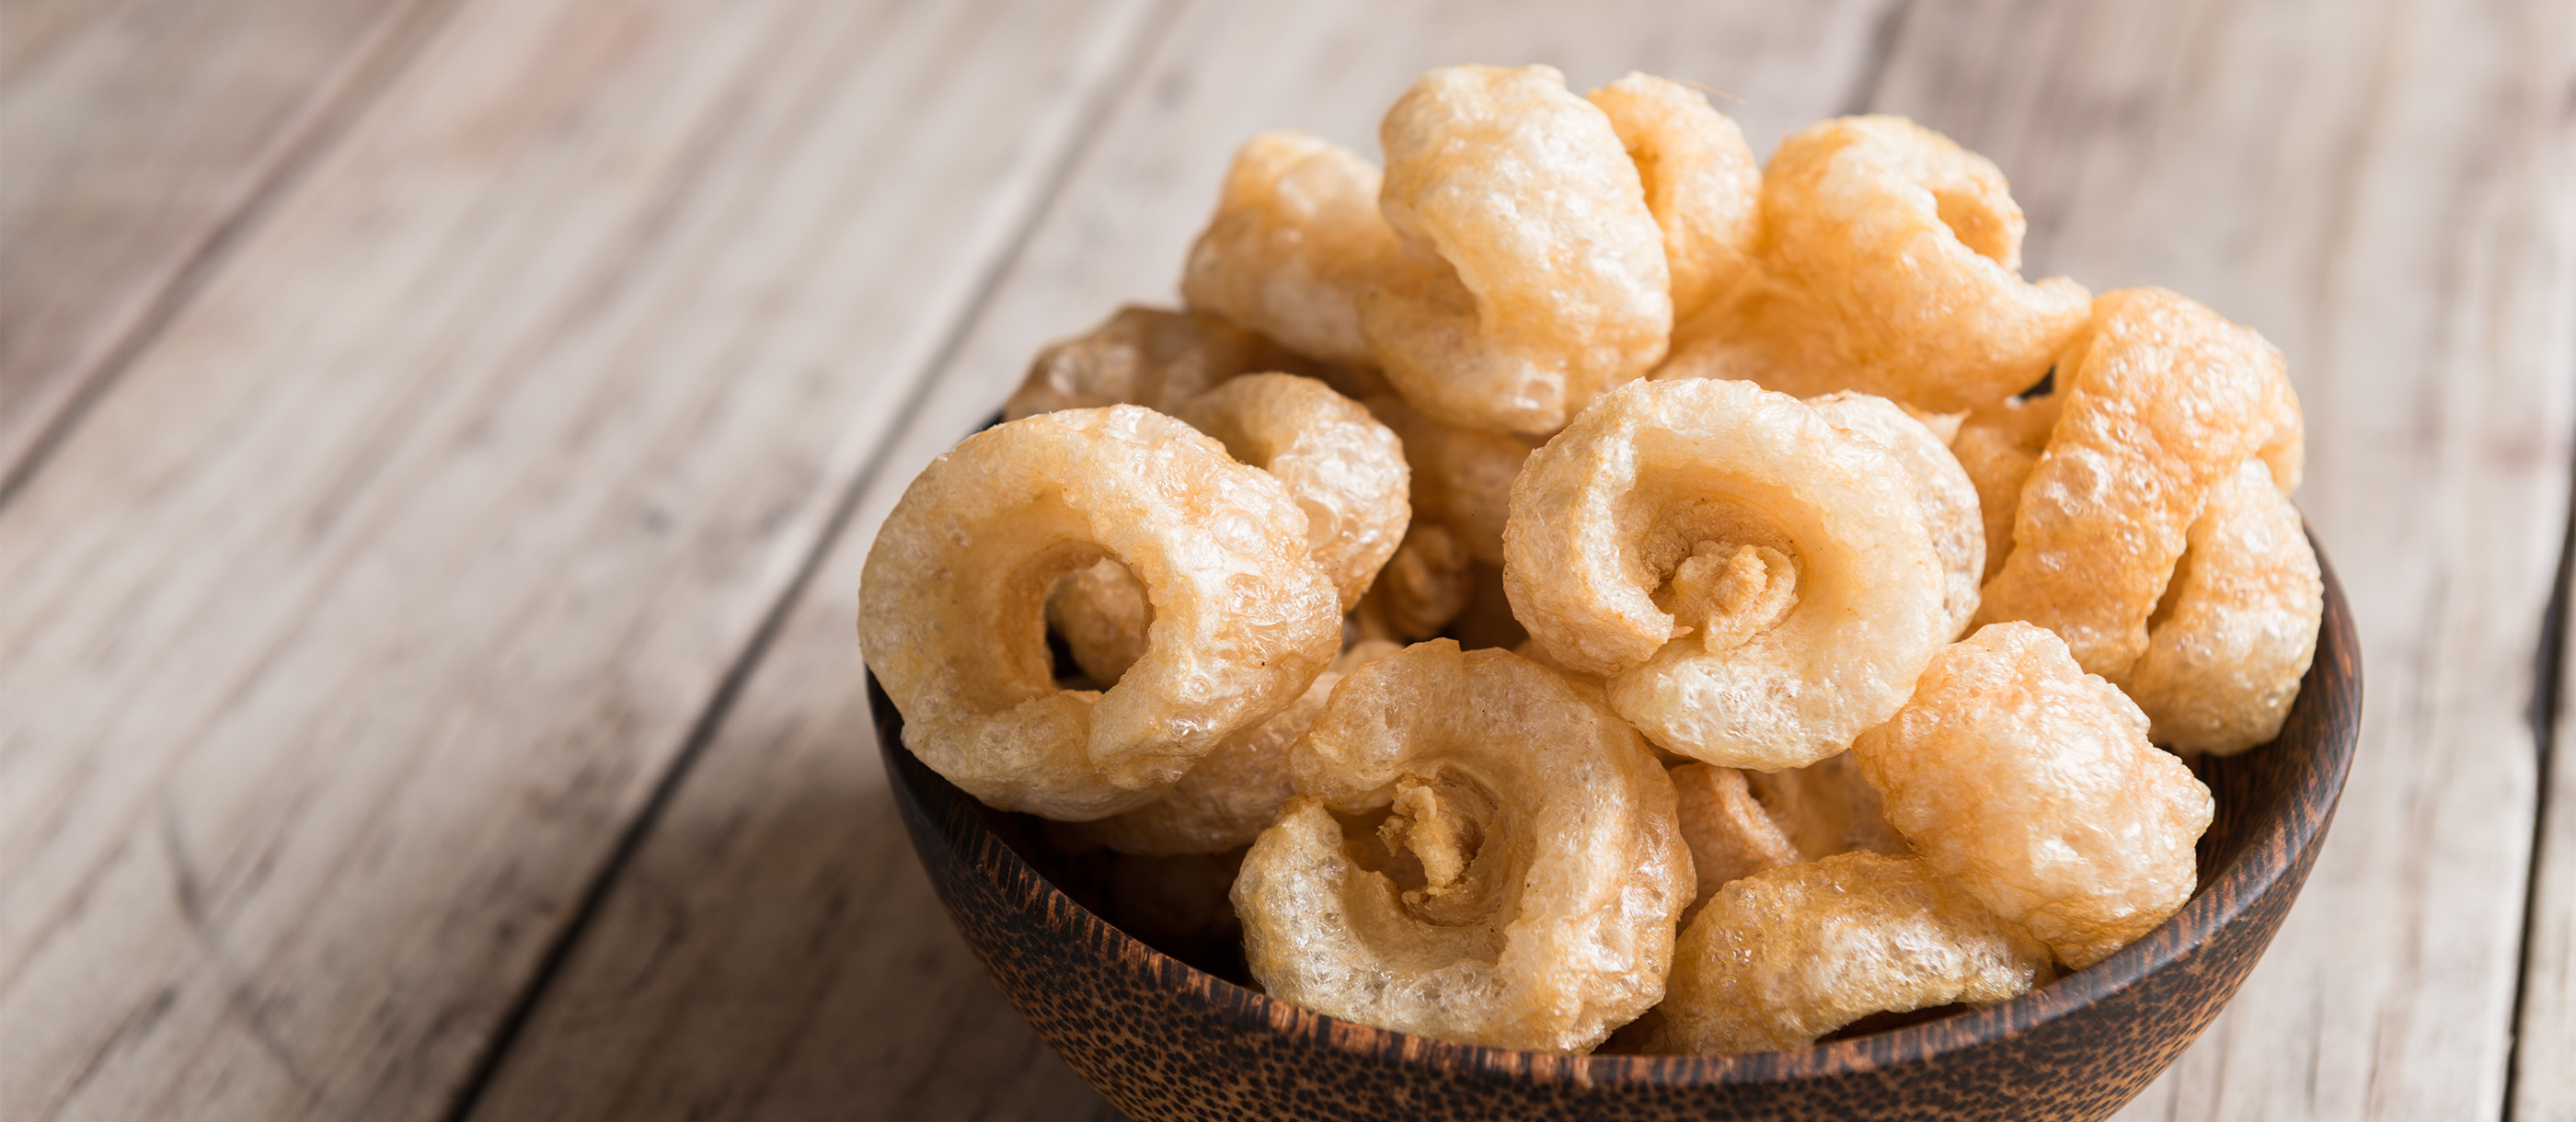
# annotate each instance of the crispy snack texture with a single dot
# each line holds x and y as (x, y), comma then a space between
(1104, 617)
(1757, 585)
(1522, 889)
(1702, 183)
(2032, 784)
(1461, 477)
(1911, 246)
(1420, 590)
(1235, 793)
(1345, 468)
(1730, 833)
(951, 607)
(1782, 957)
(1998, 446)
(1827, 808)
(2239, 624)
(2163, 400)
(1145, 356)
(1297, 238)
(1948, 496)
(1534, 275)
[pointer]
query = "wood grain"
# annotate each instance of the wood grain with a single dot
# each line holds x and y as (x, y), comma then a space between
(2383, 190)
(774, 952)
(2544, 1079)
(348, 634)
(134, 138)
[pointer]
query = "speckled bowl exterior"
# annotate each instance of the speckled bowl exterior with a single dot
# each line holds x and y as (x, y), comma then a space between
(1163, 1040)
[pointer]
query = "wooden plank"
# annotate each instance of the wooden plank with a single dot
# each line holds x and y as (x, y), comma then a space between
(2383, 189)
(774, 952)
(2544, 1081)
(138, 136)
(348, 634)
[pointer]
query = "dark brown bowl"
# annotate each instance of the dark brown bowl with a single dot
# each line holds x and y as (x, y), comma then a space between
(1164, 1040)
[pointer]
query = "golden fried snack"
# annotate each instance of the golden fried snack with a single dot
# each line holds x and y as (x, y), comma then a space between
(1911, 246)
(1296, 239)
(1462, 478)
(1782, 957)
(1998, 446)
(1827, 808)
(1534, 276)
(1148, 357)
(1235, 793)
(1730, 833)
(1346, 469)
(1487, 619)
(1422, 588)
(2238, 626)
(1104, 617)
(2163, 399)
(1948, 496)
(2031, 783)
(1522, 889)
(1702, 184)
(950, 607)
(1757, 585)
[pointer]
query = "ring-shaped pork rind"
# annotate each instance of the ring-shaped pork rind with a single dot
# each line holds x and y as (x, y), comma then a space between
(1766, 332)
(1534, 276)
(1948, 496)
(1827, 808)
(1912, 245)
(1757, 584)
(2032, 784)
(1236, 792)
(1104, 617)
(1525, 882)
(951, 607)
(1730, 833)
(1297, 237)
(1148, 357)
(1345, 468)
(2163, 398)
(1702, 183)
(1422, 588)
(1782, 957)
(1998, 446)
(2238, 627)
(1462, 478)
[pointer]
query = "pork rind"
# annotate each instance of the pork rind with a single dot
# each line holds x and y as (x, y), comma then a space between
(2163, 398)
(1462, 478)
(1702, 183)
(1534, 276)
(1296, 239)
(1827, 808)
(1998, 446)
(1729, 832)
(1346, 470)
(1948, 496)
(1422, 588)
(2032, 784)
(1148, 357)
(1782, 957)
(1522, 889)
(950, 608)
(1911, 246)
(1235, 793)
(1757, 585)
(1104, 618)
(2238, 626)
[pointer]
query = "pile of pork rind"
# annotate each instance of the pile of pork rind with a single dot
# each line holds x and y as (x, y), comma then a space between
(1605, 580)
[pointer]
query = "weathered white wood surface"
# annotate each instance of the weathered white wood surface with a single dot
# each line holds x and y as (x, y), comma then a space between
(2544, 1070)
(348, 633)
(133, 138)
(774, 952)
(2384, 189)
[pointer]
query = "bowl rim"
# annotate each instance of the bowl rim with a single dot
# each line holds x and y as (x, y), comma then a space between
(2271, 853)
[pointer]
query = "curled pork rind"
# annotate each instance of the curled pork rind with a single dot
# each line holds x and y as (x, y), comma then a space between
(1148, 357)
(2163, 399)
(1296, 239)
(1522, 890)
(1462, 478)
(1757, 585)
(2032, 784)
(1998, 446)
(1345, 468)
(2239, 624)
(1730, 833)
(1782, 957)
(1948, 496)
(1912, 246)
(1422, 588)
(1534, 276)
(950, 608)
(1702, 183)
(1827, 808)
(1236, 792)
(1766, 332)
(1104, 617)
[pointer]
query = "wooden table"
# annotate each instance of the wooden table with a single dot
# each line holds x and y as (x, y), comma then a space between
(438, 441)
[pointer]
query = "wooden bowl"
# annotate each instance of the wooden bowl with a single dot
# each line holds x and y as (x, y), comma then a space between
(1165, 1040)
